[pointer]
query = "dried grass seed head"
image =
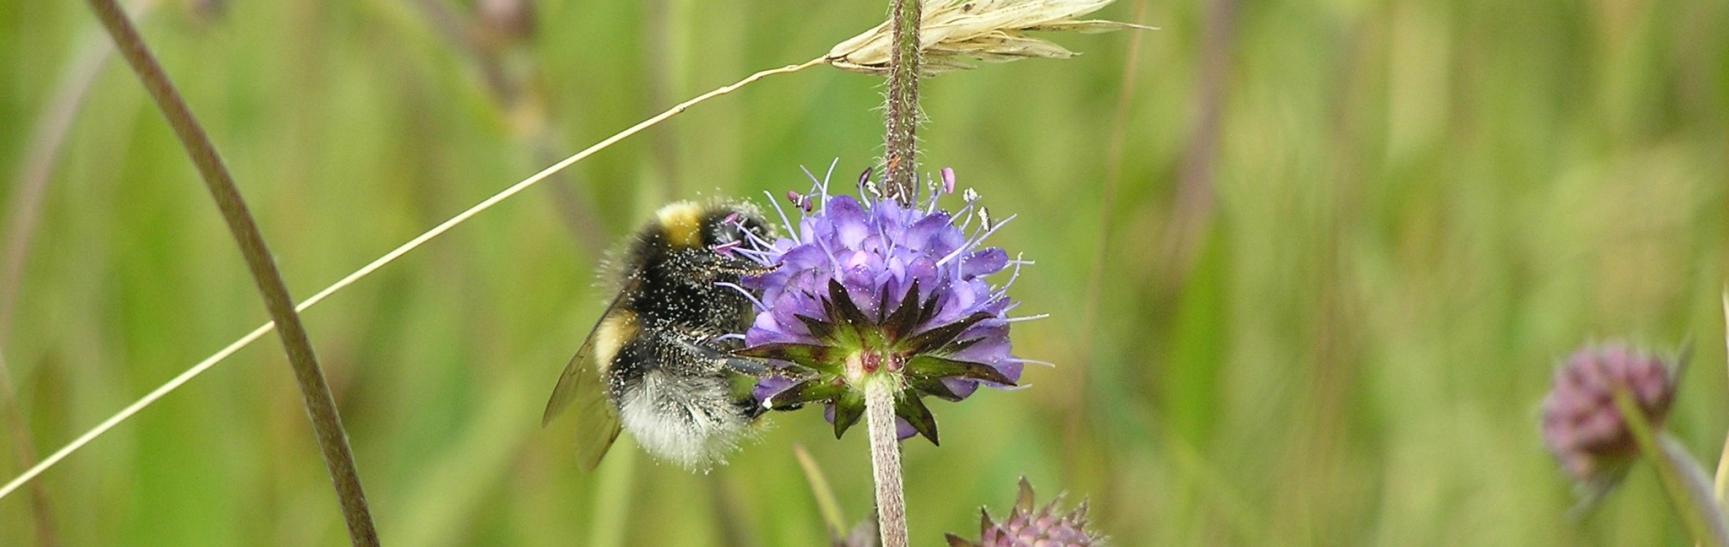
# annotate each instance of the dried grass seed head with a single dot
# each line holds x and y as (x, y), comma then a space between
(955, 34)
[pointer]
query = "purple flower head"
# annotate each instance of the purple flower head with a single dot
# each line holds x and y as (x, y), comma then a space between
(1582, 425)
(875, 288)
(1028, 525)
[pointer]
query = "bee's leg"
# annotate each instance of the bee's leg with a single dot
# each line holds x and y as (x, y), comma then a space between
(744, 366)
(750, 409)
(715, 266)
(741, 365)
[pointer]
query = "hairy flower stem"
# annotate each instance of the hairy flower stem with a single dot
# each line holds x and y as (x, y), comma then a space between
(320, 405)
(901, 120)
(886, 461)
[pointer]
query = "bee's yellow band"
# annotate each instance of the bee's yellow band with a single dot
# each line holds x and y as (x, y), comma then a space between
(614, 332)
(682, 224)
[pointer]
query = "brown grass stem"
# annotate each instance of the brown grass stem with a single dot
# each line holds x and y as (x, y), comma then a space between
(314, 390)
(210, 362)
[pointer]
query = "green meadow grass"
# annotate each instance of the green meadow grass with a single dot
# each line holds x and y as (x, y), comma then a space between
(1408, 211)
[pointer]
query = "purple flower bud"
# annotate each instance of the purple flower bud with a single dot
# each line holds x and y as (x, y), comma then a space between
(948, 174)
(1581, 424)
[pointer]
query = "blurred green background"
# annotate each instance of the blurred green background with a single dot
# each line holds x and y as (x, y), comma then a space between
(1309, 263)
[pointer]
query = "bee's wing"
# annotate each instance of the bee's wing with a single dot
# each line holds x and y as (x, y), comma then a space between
(582, 385)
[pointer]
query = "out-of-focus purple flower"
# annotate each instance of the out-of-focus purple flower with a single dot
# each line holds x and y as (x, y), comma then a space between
(1024, 526)
(1581, 424)
(876, 289)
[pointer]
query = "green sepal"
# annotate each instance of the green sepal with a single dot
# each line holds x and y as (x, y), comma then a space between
(905, 318)
(933, 387)
(960, 345)
(929, 309)
(882, 304)
(910, 408)
(822, 359)
(819, 329)
(933, 367)
(935, 339)
(804, 392)
(847, 411)
(848, 311)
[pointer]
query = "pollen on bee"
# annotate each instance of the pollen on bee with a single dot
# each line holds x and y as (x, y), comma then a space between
(614, 332)
(681, 222)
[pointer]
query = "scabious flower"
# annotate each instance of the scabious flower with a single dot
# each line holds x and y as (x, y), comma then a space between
(1024, 526)
(1581, 424)
(875, 290)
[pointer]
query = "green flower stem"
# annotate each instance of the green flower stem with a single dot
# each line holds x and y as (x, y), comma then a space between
(315, 392)
(886, 459)
(819, 488)
(901, 118)
(1682, 477)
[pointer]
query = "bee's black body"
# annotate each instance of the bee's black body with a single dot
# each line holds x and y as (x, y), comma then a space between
(657, 364)
(678, 303)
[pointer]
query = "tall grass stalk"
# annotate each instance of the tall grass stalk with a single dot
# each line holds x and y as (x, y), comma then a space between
(314, 390)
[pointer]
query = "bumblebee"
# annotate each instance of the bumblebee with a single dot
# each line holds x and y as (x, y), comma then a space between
(656, 362)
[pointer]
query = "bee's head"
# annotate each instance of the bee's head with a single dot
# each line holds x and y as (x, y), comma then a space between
(727, 228)
(724, 226)
(703, 238)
